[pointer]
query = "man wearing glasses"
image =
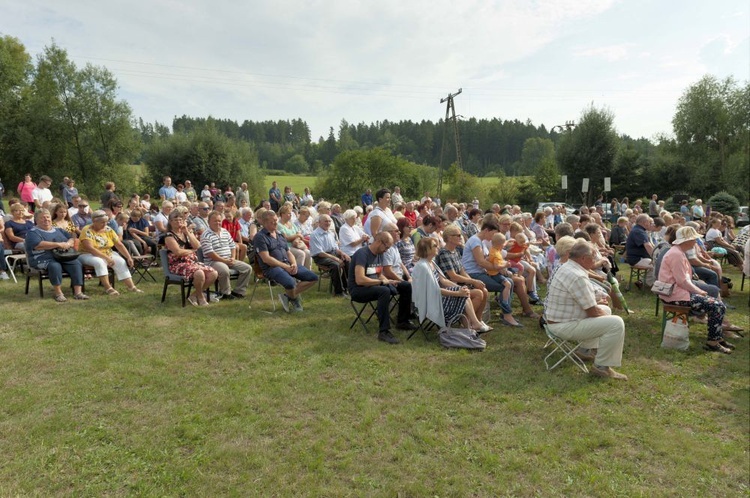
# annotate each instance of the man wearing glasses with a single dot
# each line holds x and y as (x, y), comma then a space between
(368, 283)
(200, 222)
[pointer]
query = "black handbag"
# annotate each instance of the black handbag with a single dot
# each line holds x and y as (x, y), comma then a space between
(65, 256)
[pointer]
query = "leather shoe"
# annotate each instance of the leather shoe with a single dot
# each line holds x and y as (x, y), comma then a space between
(237, 295)
(584, 356)
(406, 326)
(607, 373)
(386, 336)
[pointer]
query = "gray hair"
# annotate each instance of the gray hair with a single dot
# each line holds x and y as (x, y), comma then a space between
(580, 248)
(99, 213)
(349, 214)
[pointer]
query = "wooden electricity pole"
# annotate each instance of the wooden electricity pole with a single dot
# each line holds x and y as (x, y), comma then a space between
(450, 114)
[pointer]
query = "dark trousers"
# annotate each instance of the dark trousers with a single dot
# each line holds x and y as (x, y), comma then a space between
(707, 275)
(339, 272)
(382, 294)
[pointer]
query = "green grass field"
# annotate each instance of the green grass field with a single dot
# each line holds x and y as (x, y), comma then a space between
(129, 396)
(298, 183)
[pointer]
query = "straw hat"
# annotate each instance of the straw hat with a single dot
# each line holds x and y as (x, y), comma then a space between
(685, 234)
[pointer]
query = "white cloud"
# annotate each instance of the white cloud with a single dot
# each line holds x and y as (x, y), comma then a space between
(367, 61)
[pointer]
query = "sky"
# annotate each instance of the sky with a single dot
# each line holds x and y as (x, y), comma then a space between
(365, 61)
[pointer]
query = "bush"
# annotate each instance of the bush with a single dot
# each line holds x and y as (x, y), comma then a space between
(354, 171)
(724, 203)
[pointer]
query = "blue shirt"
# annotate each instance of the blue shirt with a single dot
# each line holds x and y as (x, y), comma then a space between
(169, 193)
(634, 249)
(366, 199)
(275, 247)
(41, 258)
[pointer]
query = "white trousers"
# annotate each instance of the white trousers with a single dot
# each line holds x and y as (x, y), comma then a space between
(604, 332)
(100, 266)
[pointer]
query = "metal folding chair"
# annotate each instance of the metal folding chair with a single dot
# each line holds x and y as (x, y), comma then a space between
(565, 348)
(359, 312)
(141, 267)
(260, 279)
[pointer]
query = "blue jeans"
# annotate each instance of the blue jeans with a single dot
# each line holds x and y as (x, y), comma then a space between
(287, 281)
(497, 283)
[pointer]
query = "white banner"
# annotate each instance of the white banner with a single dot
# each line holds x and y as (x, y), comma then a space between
(565, 182)
(607, 184)
(585, 185)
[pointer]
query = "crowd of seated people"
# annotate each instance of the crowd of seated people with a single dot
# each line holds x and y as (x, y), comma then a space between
(504, 251)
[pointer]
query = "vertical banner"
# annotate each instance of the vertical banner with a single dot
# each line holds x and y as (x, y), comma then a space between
(565, 182)
(607, 184)
(585, 185)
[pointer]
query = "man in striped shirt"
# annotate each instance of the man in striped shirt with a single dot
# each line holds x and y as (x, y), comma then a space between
(220, 252)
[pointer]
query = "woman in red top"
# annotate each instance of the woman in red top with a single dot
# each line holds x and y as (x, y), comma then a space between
(231, 224)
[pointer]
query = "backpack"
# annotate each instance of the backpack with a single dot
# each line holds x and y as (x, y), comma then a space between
(460, 338)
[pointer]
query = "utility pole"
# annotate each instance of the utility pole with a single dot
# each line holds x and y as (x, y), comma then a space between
(450, 114)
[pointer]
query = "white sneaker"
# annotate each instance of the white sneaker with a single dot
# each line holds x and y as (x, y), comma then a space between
(4, 276)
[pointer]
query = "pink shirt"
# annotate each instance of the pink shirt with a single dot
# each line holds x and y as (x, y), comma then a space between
(676, 269)
(25, 190)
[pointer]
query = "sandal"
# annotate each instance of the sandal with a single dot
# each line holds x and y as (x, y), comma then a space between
(717, 348)
(530, 314)
(510, 324)
(192, 301)
(80, 296)
(112, 292)
(60, 298)
(136, 290)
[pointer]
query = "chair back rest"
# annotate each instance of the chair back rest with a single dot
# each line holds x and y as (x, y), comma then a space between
(256, 267)
(165, 264)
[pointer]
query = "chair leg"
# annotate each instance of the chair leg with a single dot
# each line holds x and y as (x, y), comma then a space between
(41, 286)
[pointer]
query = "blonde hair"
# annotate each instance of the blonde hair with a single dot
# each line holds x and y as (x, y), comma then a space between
(498, 239)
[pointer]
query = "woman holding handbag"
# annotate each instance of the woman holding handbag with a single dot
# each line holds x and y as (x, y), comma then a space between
(675, 269)
(429, 283)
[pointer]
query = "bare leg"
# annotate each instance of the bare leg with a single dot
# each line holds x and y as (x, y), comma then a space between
(301, 287)
(520, 288)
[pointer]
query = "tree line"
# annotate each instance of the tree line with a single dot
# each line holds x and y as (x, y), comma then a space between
(62, 120)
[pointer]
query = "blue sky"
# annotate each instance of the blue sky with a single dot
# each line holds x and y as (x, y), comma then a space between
(366, 61)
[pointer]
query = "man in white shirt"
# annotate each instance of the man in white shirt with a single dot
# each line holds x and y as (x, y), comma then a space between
(41, 194)
(325, 252)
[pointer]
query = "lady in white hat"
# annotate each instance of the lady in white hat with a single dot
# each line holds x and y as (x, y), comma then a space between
(675, 269)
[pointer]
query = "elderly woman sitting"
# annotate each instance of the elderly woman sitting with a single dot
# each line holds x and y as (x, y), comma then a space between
(351, 235)
(675, 269)
(97, 242)
(40, 242)
(431, 287)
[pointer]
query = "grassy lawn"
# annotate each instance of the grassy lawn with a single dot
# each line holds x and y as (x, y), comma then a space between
(128, 396)
(298, 183)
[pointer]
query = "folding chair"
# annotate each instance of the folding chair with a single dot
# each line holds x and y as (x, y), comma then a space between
(325, 272)
(566, 348)
(259, 278)
(141, 267)
(359, 312)
(425, 326)
(639, 271)
(14, 257)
